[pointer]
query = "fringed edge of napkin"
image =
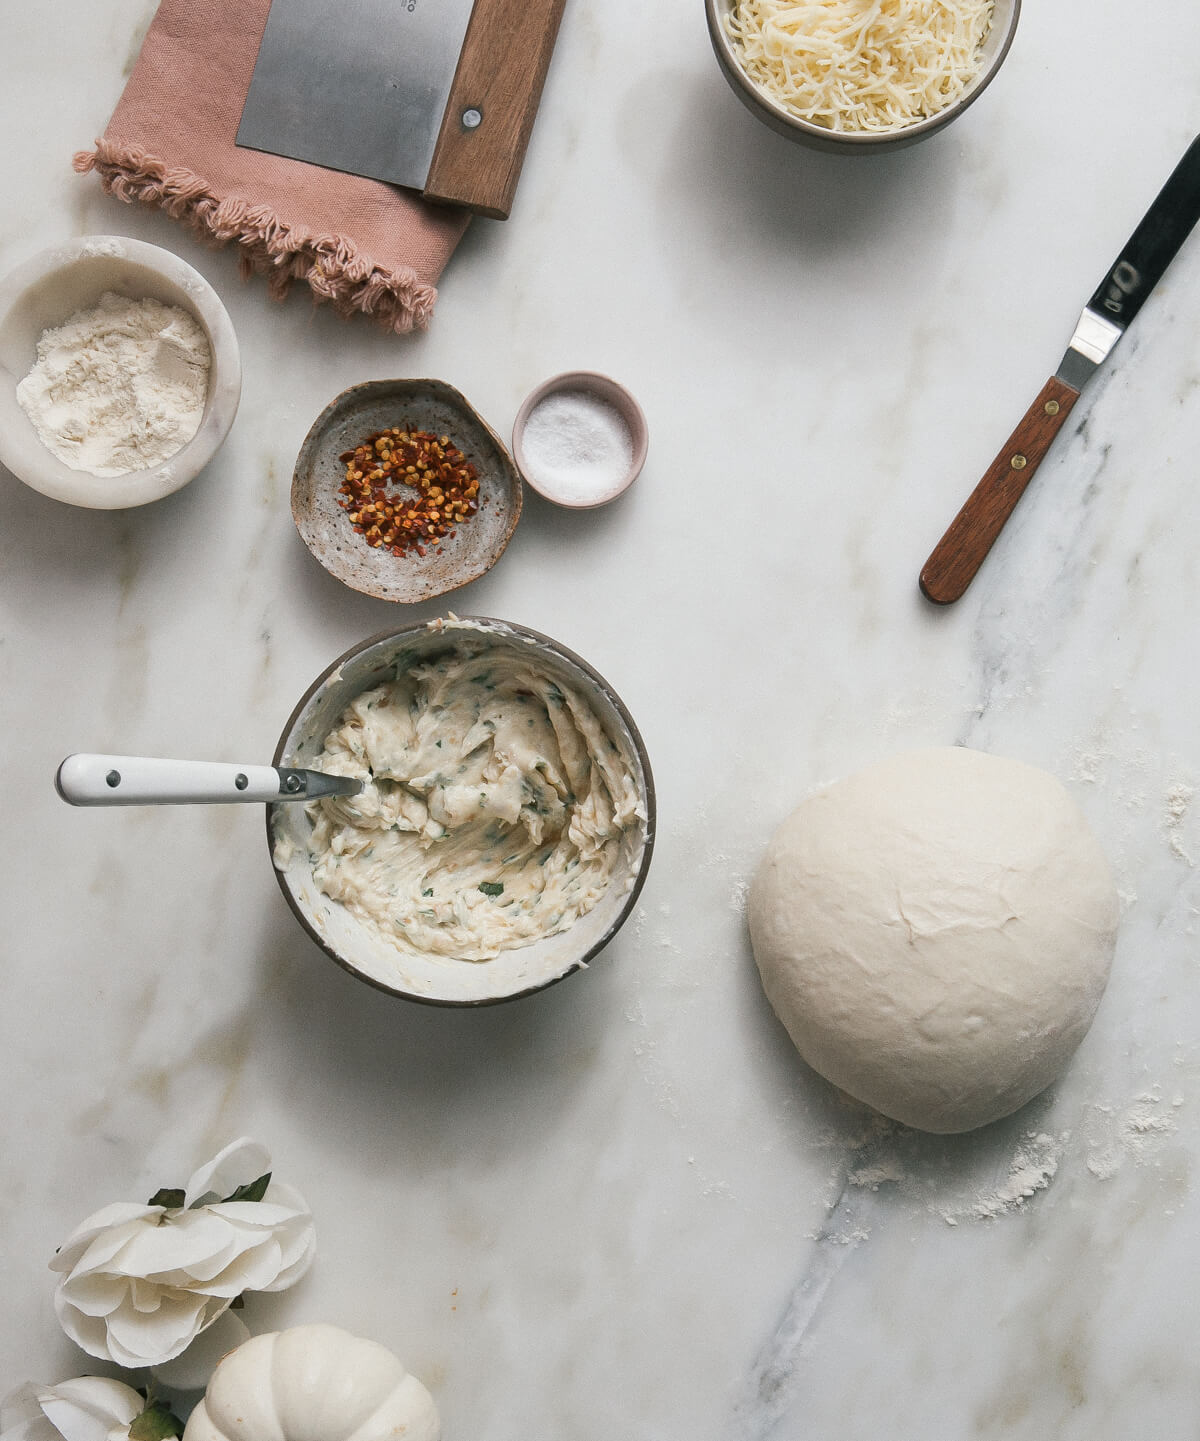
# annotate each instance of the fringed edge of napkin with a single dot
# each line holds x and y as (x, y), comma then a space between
(328, 264)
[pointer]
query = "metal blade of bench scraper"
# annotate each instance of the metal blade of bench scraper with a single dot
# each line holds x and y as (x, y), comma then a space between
(359, 85)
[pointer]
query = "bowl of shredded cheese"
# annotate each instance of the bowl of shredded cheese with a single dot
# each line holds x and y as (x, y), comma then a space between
(860, 75)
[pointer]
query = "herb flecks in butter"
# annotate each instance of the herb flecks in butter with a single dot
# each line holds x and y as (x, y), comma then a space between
(470, 768)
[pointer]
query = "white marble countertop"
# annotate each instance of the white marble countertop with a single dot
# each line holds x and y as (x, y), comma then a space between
(623, 1207)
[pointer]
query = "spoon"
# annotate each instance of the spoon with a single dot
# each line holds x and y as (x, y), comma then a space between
(98, 780)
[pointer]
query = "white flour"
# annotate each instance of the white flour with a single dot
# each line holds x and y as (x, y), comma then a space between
(1031, 1168)
(983, 1186)
(1116, 1134)
(978, 1184)
(1178, 799)
(120, 387)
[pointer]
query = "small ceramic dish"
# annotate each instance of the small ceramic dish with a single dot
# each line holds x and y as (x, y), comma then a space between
(766, 108)
(324, 526)
(356, 945)
(49, 289)
(585, 472)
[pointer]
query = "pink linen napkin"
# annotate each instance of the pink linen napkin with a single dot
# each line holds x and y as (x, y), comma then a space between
(360, 244)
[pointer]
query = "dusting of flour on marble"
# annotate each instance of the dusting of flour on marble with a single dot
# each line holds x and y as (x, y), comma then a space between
(1129, 781)
(972, 1185)
(1178, 802)
(1116, 1135)
(1033, 1166)
(982, 1176)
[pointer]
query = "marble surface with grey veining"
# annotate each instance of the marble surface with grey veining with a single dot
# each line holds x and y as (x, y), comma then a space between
(623, 1207)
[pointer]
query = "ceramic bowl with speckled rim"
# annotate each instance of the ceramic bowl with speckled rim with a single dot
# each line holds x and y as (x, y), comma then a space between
(324, 526)
(51, 287)
(357, 946)
(771, 112)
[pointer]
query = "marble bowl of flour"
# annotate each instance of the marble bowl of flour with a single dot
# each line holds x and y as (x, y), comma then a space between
(66, 289)
(512, 664)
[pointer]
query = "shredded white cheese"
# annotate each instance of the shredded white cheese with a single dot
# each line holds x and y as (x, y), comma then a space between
(855, 65)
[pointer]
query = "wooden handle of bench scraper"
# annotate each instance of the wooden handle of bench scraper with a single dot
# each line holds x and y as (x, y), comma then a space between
(493, 101)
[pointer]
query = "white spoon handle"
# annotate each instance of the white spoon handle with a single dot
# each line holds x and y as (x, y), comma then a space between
(98, 780)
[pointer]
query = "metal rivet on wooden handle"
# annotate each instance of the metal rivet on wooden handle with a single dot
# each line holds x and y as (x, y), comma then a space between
(961, 551)
(492, 104)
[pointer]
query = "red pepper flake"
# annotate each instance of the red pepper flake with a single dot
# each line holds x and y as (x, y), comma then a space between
(406, 486)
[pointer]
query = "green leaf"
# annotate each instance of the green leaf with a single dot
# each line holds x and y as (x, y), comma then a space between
(253, 1191)
(155, 1423)
(492, 888)
(171, 1198)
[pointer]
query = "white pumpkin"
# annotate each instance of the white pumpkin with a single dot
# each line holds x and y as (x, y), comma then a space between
(313, 1383)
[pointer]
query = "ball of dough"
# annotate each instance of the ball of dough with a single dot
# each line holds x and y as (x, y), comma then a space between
(935, 933)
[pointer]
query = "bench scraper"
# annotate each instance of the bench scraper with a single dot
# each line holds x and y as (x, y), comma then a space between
(437, 95)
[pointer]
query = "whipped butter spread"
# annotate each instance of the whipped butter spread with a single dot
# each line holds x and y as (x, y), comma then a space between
(497, 809)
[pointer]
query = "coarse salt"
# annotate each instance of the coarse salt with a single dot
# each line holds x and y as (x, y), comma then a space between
(576, 448)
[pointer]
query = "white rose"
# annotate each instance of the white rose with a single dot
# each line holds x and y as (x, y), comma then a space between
(89, 1409)
(140, 1282)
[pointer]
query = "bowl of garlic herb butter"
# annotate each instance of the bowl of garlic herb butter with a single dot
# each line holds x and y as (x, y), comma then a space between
(119, 372)
(859, 76)
(505, 826)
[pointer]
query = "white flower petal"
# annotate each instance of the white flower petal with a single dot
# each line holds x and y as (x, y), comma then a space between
(161, 1333)
(240, 1163)
(101, 1236)
(88, 1332)
(252, 1215)
(296, 1272)
(253, 1270)
(89, 1408)
(201, 1273)
(296, 1237)
(298, 1253)
(72, 1424)
(280, 1193)
(103, 1397)
(94, 1295)
(108, 1399)
(144, 1296)
(185, 1238)
(224, 1241)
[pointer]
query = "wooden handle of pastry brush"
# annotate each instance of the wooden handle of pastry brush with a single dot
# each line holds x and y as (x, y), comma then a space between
(962, 550)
